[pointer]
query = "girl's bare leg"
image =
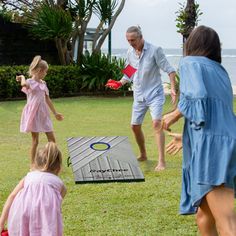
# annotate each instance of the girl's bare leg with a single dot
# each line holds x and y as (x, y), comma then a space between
(35, 142)
(50, 137)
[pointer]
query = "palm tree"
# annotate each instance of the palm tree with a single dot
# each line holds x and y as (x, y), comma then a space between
(191, 18)
(187, 18)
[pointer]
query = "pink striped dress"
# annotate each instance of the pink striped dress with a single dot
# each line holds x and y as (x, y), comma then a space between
(36, 209)
(36, 116)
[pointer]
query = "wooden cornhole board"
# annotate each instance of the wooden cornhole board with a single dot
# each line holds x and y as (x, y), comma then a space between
(103, 159)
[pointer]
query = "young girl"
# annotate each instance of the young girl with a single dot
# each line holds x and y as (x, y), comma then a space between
(34, 206)
(35, 116)
(209, 137)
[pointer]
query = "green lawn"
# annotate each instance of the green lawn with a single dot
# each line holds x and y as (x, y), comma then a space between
(143, 208)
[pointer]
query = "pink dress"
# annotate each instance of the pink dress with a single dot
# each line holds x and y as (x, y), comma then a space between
(36, 116)
(36, 209)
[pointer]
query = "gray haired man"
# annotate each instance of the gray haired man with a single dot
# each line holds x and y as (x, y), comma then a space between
(146, 60)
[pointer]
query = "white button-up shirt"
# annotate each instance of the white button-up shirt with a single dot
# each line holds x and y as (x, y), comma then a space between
(147, 81)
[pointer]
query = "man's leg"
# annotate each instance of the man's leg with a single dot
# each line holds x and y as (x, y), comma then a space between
(138, 112)
(139, 136)
(160, 141)
(156, 107)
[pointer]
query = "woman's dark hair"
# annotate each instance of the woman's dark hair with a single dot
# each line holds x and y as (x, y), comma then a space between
(203, 41)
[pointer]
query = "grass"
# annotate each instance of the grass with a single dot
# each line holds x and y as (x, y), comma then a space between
(143, 208)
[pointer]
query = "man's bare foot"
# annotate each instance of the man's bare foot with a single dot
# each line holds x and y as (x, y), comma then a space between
(142, 158)
(160, 167)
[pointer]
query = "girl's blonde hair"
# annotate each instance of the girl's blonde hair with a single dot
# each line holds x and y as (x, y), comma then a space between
(36, 65)
(48, 158)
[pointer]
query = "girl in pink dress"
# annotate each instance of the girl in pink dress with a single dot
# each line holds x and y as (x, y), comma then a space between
(35, 116)
(34, 206)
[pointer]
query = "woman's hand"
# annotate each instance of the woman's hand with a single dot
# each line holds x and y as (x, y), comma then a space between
(167, 121)
(175, 145)
(170, 118)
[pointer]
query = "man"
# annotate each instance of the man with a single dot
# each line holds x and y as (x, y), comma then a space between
(144, 62)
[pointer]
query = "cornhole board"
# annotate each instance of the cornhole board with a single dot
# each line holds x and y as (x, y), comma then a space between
(103, 159)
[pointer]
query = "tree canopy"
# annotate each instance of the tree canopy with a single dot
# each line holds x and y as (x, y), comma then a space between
(65, 21)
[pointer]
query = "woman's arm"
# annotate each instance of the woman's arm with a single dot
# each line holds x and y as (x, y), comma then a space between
(52, 108)
(8, 204)
(171, 118)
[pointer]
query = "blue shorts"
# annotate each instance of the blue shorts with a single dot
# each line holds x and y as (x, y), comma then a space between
(140, 108)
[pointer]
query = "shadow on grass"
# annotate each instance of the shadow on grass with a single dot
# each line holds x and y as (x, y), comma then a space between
(147, 166)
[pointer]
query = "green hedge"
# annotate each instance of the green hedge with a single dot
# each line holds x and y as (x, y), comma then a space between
(63, 81)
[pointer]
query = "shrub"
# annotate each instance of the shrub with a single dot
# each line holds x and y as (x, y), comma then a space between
(96, 69)
(66, 80)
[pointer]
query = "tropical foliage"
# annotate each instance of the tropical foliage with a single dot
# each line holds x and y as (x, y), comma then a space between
(52, 23)
(5, 14)
(76, 13)
(187, 17)
(96, 69)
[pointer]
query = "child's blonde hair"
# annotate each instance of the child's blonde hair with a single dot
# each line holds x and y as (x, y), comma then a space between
(36, 65)
(48, 158)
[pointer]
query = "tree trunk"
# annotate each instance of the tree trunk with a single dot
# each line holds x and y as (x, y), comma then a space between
(50, 2)
(61, 48)
(191, 18)
(96, 35)
(107, 31)
(80, 47)
(62, 3)
(82, 23)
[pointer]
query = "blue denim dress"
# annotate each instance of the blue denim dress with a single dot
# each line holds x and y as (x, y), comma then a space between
(209, 137)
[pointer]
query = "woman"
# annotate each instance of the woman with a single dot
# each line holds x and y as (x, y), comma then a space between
(209, 137)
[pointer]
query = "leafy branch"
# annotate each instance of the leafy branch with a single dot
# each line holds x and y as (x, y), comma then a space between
(187, 18)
